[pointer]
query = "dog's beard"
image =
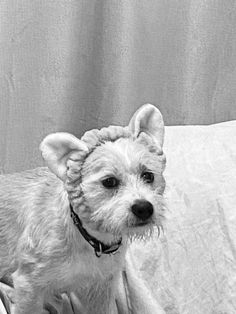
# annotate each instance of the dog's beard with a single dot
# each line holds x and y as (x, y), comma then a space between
(130, 229)
(145, 232)
(140, 233)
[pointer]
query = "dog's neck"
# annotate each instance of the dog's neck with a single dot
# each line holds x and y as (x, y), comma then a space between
(102, 243)
(104, 237)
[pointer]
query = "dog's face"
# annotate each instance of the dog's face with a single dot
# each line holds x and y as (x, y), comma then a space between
(123, 184)
(121, 180)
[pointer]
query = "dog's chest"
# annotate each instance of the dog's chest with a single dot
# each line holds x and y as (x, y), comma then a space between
(87, 267)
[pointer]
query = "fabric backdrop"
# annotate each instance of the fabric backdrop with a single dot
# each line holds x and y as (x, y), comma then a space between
(72, 65)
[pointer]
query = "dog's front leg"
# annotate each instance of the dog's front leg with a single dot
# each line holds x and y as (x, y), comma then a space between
(28, 297)
(138, 298)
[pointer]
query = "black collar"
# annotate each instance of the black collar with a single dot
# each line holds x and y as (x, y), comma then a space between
(99, 247)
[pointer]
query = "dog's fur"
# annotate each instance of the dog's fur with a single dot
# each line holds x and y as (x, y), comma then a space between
(40, 244)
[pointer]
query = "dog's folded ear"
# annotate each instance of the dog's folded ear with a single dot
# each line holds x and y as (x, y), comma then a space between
(148, 119)
(56, 149)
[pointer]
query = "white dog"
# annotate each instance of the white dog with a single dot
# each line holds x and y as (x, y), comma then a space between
(68, 227)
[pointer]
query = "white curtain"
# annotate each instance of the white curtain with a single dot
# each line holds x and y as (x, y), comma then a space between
(72, 65)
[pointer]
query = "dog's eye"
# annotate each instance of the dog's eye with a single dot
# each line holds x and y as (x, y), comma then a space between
(110, 182)
(148, 176)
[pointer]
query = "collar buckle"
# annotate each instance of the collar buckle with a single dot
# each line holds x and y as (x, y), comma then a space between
(98, 251)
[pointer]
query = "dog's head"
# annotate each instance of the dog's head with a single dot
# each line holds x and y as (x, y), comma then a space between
(114, 176)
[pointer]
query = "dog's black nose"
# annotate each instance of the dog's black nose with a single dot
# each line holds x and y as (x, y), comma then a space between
(142, 209)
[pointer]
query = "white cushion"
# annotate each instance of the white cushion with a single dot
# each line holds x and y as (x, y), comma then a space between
(192, 267)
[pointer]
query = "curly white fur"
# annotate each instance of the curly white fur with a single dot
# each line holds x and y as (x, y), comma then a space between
(40, 243)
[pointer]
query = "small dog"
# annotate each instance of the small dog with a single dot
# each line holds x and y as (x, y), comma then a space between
(68, 226)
